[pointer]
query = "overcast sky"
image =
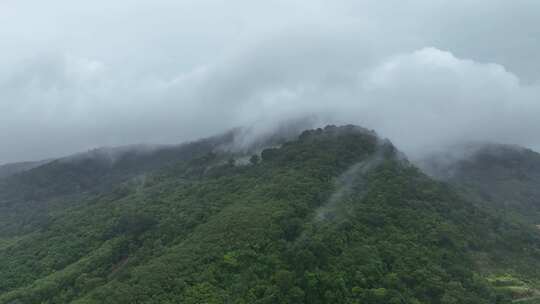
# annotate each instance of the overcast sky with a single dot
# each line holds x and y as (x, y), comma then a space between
(77, 75)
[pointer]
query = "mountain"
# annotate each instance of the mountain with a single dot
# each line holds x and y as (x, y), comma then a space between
(506, 177)
(14, 168)
(334, 215)
(27, 198)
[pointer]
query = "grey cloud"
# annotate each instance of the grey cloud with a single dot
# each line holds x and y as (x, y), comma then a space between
(423, 73)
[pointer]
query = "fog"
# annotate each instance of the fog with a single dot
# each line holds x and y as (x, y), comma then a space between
(425, 74)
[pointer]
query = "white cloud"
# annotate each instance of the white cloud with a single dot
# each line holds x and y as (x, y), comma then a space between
(430, 98)
(422, 100)
(423, 73)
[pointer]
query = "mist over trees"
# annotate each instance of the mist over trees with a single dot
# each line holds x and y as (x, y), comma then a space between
(281, 151)
(336, 215)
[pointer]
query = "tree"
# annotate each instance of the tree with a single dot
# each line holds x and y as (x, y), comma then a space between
(254, 159)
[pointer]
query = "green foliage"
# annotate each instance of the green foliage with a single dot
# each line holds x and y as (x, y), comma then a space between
(208, 231)
(254, 159)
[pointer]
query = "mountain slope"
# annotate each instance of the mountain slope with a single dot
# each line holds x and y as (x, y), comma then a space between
(14, 168)
(501, 176)
(335, 216)
(26, 198)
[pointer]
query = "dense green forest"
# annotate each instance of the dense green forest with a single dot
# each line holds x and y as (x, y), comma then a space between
(336, 215)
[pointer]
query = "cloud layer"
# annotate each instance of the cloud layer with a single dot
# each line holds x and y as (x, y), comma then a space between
(425, 74)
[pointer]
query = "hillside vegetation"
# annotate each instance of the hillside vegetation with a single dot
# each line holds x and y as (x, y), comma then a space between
(334, 216)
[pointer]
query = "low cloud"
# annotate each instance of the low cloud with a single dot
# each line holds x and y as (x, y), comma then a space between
(422, 81)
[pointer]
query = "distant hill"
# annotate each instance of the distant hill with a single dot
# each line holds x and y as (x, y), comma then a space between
(330, 215)
(504, 176)
(26, 198)
(14, 168)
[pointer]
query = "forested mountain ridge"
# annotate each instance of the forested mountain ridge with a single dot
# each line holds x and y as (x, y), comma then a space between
(334, 216)
(506, 177)
(27, 197)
